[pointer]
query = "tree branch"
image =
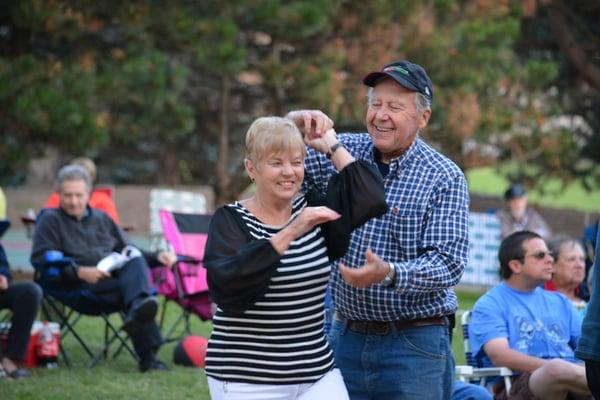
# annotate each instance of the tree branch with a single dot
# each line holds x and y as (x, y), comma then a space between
(567, 43)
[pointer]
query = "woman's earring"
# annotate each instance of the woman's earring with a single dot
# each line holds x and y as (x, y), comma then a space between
(252, 179)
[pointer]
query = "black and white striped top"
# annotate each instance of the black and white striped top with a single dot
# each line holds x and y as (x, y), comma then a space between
(279, 339)
(269, 323)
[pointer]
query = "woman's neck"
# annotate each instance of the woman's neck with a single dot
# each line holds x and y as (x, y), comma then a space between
(567, 289)
(269, 212)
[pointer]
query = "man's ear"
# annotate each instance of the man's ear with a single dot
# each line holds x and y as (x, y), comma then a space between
(515, 266)
(424, 120)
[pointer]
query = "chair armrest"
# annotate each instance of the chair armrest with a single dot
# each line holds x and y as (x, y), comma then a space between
(463, 372)
(188, 259)
(492, 371)
(57, 271)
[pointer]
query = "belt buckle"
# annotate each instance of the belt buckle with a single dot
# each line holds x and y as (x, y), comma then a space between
(380, 328)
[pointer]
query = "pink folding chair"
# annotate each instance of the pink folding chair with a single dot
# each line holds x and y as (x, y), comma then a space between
(184, 284)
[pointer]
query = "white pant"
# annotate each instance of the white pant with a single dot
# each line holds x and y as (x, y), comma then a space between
(331, 386)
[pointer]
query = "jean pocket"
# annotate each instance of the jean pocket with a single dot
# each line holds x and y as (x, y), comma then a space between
(334, 333)
(429, 341)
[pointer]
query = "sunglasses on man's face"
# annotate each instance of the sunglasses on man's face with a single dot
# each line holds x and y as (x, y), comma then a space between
(540, 255)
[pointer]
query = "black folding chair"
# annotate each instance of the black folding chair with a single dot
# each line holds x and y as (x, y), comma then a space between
(68, 305)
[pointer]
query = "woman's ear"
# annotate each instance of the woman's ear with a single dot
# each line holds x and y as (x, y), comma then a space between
(250, 169)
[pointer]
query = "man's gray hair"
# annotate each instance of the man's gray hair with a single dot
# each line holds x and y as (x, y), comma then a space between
(73, 173)
(422, 103)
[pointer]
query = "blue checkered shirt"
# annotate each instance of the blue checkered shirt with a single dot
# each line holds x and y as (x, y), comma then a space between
(424, 234)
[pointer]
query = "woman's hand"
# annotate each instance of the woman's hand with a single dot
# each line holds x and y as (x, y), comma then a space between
(308, 218)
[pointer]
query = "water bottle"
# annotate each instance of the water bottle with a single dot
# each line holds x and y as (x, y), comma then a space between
(47, 347)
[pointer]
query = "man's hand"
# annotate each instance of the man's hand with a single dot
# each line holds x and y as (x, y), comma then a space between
(91, 274)
(323, 143)
(3, 282)
(167, 258)
(312, 123)
(374, 270)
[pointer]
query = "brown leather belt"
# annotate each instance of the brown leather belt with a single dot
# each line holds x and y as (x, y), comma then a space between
(385, 327)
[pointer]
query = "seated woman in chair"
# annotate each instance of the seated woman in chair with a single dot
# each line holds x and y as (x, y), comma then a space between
(568, 270)
(23, 301)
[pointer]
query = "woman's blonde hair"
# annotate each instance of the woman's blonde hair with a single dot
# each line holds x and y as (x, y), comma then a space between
(268, 135)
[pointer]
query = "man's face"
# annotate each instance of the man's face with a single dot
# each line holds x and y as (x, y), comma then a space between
(392, 118)
(517, 206)
(536, 264)
(74, 197)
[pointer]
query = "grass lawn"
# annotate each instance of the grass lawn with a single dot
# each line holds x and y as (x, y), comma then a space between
(119, 379)
(466, 300)
(487, 182)
(111, 379)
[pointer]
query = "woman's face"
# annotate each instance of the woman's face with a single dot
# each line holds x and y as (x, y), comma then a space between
(569, 267)
(278, 175)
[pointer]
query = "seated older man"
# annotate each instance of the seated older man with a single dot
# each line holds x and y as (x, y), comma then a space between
(88, 235)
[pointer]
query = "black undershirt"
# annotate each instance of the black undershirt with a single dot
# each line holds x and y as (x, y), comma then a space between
(384, 168)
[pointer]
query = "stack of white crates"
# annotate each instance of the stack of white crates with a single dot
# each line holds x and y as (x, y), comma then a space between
(484, 240)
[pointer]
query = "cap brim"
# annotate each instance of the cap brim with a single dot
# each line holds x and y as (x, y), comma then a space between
(372, 79)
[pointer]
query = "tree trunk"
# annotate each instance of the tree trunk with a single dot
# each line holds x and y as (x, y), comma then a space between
(168, 172)
(570, 46)
(223, 187)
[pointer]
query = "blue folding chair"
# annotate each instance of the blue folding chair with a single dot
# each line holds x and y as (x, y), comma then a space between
(70, 304)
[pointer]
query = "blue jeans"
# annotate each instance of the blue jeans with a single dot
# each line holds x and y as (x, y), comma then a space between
(405, 364)
(470, 391)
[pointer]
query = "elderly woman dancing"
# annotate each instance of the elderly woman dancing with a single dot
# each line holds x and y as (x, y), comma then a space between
(268, 261)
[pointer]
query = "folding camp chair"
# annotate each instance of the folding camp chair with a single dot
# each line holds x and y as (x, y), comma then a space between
(175, 201)
(184, 284)
(68, 306)
(472, 372)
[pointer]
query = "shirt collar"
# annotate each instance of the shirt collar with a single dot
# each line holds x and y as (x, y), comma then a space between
(86, 213)
(402, 161)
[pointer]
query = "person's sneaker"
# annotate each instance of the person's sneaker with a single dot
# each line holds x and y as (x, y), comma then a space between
(141, 311)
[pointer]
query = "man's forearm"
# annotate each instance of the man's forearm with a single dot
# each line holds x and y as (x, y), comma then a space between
(517, 361)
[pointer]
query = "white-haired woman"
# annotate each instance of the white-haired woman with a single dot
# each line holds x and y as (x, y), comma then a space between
(568, 270)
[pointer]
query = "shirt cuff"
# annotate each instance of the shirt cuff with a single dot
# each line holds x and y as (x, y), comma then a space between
(403, 278)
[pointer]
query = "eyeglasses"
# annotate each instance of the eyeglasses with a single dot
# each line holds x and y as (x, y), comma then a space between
(540, 255)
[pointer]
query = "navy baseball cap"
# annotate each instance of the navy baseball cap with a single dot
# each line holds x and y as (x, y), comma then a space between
(409, 75)
(515, 191)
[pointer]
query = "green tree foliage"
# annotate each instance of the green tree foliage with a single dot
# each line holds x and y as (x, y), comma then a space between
(162, 92)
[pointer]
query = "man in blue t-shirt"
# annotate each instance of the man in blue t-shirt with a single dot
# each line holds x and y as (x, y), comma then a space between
(519, 325)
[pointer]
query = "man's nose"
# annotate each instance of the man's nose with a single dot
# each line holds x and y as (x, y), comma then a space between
(382, 113)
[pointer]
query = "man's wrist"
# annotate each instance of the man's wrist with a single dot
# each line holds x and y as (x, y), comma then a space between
(333, 148)
(390, 276)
